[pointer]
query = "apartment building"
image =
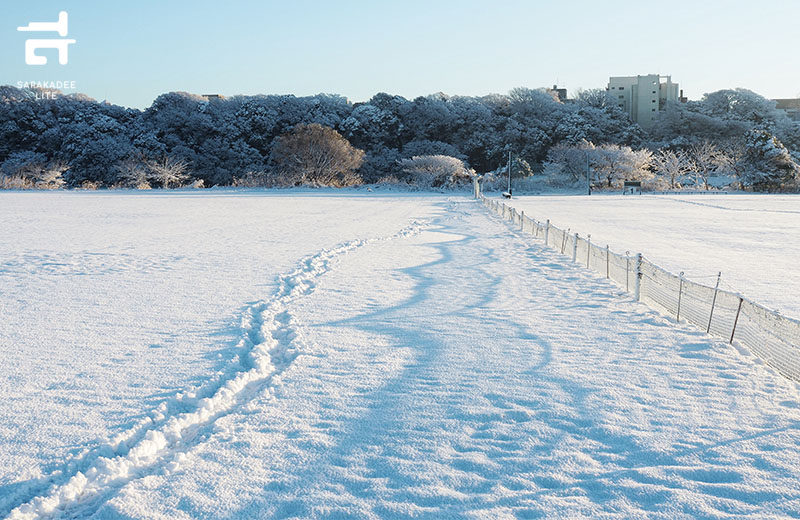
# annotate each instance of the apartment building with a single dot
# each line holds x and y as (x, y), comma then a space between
(643, 96)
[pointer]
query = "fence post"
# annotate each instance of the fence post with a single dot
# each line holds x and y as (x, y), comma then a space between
(575, 249)
(637, 282)
(588, 249)
(713, 303)
(735, 321)
(627, 271)
(546, 231)
(680, 294)
(564, 241)
(522, 221)
(607, 263)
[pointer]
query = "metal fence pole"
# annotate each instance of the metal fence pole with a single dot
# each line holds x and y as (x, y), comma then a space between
(736, 320)
(546, 231)
(680, 294)
(588, 249)
(522, 220)
(627, 270)
(713, 303)
(637, 287)
(575, 249)
(607, 263)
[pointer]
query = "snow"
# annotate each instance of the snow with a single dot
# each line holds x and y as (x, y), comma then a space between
(262, 355)
(751, 239)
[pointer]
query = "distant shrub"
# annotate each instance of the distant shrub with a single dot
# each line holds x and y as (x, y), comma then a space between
(31, 170)
(436, 171)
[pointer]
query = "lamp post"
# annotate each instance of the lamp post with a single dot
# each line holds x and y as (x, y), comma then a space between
(588, 182)
(509, 174)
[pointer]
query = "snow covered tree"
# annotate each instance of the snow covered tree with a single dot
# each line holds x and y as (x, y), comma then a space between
(614, 164)
(707, 159)
(594, 97)
(567, 164)
(671, 165)
(133, 172)
(316, 155)
(769, 165)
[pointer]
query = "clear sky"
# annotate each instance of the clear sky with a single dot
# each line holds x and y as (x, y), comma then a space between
(129, 52)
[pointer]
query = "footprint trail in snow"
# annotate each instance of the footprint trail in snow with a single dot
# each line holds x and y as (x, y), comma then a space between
(268, 345)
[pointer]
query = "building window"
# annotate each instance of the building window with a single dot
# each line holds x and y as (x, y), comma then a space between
(622, 97)
(654, 92)
(622, 88)
(654, 110)
(653, 100)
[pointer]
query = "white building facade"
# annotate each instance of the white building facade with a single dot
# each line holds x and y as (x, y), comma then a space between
(643, 96)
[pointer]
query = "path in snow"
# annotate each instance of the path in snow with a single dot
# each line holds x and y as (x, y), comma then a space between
(268, 347)
(116, 302)
(470, 372)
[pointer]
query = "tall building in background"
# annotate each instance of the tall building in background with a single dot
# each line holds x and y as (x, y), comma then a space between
(643, 96)
(789, 106)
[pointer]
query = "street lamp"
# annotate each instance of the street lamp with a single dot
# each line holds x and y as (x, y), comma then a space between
(507, 194)
(588, 182)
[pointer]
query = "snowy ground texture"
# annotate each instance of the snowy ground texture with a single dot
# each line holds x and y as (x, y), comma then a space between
(754, 240)
(251, 355)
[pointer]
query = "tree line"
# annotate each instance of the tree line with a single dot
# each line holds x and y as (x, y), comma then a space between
(735, 137)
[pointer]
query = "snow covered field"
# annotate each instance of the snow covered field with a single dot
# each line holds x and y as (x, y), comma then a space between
(284, 355)
(754, 240)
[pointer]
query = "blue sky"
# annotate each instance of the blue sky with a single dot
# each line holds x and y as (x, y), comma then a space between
(129, 52)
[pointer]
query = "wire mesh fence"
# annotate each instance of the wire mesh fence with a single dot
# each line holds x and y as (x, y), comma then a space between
(774, 338)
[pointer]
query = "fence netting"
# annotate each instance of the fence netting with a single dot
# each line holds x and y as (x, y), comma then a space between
(774, 338)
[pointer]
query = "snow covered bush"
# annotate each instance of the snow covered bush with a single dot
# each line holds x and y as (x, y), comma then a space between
(436, 171)
(31, 170)
(168, 171)
(253, 179)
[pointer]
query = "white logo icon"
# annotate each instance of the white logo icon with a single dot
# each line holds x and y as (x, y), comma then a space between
(31, 46)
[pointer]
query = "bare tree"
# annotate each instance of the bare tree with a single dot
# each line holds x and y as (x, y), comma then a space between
(133, 172)
(168, 170)
(617, 163)
(316, 155)
(707, 159)
(672, 165)
(594, 97)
